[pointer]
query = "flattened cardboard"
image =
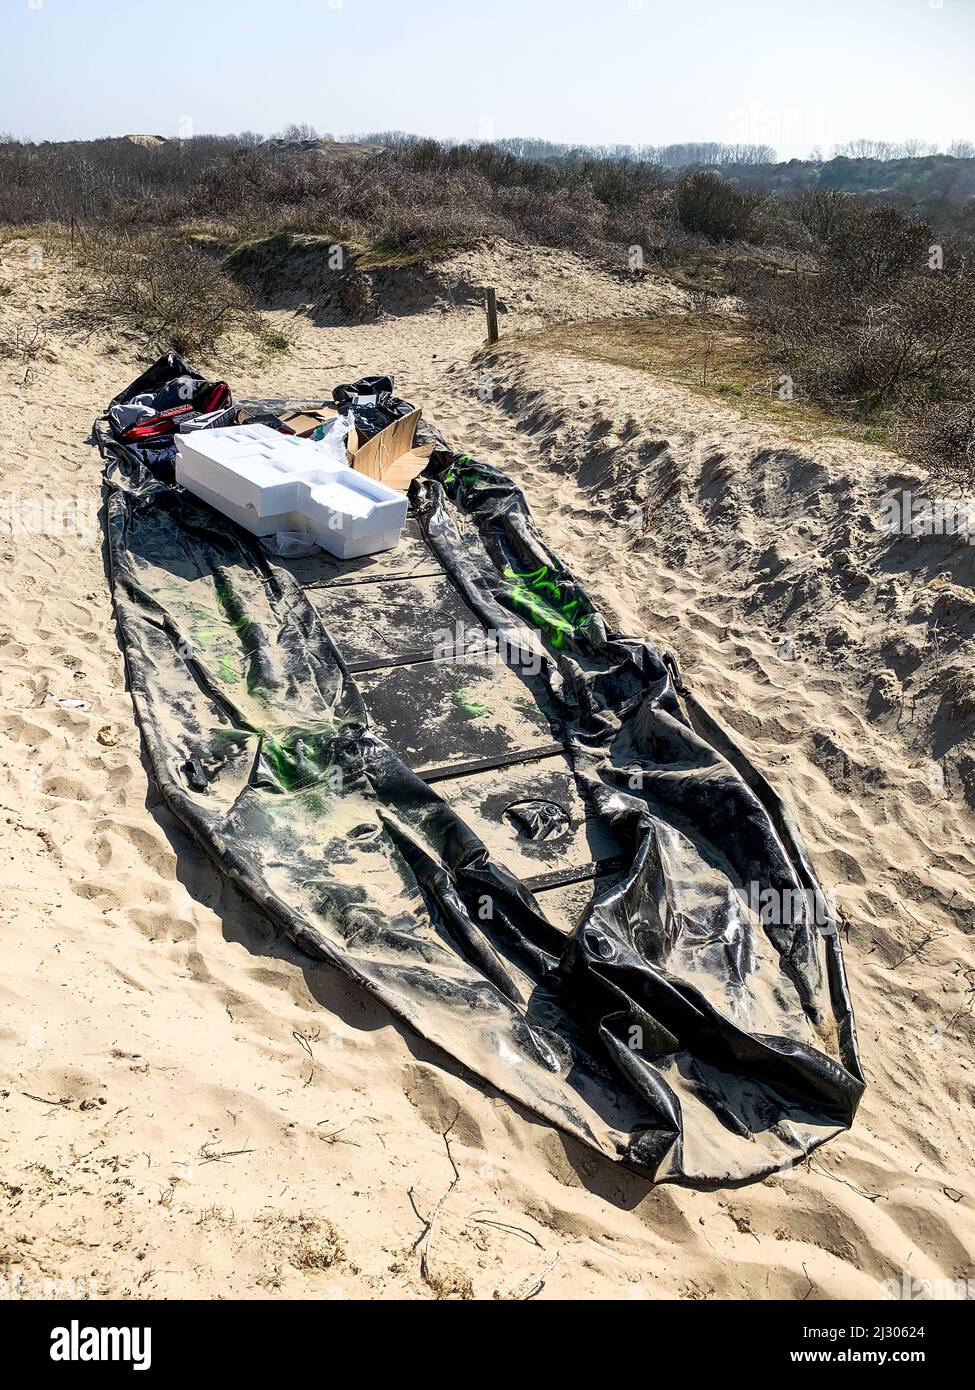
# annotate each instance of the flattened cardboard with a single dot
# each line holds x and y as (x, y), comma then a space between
(305, 423)
(400, 474)
(376, 455)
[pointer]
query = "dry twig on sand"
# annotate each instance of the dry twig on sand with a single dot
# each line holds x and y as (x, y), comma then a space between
(422, 1242)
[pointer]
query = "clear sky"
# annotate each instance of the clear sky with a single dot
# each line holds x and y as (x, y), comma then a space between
(790, 73)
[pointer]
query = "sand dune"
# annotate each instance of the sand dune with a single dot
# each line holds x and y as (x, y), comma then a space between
(190, 1108)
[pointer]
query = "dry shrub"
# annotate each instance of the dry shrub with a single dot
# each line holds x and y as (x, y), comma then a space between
(877, 331)
(941, 434)
(86, 180)
(824, 212)
(708, 206)
(847, 344)
(876, 247)
(415, 195)
(22, 341)
(166, 289)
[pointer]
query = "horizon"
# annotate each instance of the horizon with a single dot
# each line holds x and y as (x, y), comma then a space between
(766, 74)
(862, 148)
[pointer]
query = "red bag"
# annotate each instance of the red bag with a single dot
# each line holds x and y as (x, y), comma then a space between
(212, 397)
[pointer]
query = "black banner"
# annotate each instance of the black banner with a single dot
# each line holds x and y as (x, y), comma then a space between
(230, 1338)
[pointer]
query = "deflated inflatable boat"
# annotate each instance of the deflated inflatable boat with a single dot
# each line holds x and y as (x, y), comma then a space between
(436, 769)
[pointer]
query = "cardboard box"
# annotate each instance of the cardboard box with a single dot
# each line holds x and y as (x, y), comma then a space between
(400, 474)
(305, 423)
(391, 456)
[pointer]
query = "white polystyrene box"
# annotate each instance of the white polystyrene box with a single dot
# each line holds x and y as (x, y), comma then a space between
(267, 482)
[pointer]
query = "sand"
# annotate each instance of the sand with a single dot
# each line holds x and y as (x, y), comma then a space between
(191, 1109)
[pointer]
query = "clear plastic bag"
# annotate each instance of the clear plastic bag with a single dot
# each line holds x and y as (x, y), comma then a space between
(290, 545)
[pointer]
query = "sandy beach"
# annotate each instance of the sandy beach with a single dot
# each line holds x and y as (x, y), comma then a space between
(192, 1108)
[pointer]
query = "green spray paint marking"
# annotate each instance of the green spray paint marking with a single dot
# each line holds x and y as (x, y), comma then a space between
(463, 698)
(468, 476)
(300, 761)
(541, 597)
(227, 671)
(535, 592)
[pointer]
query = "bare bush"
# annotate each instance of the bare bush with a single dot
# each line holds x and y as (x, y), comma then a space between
(874, 247)
(415, 194)
(708, 206)
(90, 180)
(22, 341)
(590, 198)
(825, 212)
(941, 436)
(166, 289)
(862, 347)
(876, 330)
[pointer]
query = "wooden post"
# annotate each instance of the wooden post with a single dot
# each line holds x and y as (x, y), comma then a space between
(491, 296)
